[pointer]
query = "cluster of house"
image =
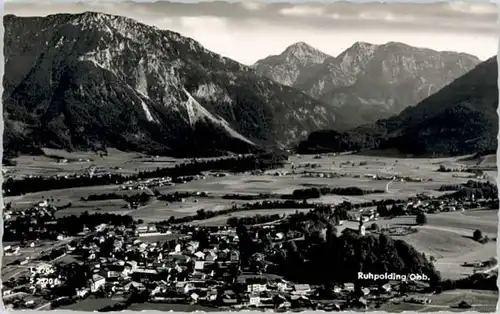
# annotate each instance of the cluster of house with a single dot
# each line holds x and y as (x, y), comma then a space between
(328, 175)
(65, 160)
(37, 221)
(123, 260)
(262, 291)
(395, 178)
(426, 205)
(363, 214)
(146, 184)
(134, 263)
(167, 181)
(444, 205)
(41, 209)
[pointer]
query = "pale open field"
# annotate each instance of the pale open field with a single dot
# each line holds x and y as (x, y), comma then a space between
(221, 220)
(47, 165)
(158, 210)
(63, 197)
(417, 167)
(481, 301)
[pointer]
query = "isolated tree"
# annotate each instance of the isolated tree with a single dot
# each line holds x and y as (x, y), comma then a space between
(442, 168)
(397, 210)
(331, 232)
(382, 210)
(477, 235)
(421, 218)
(203, 237)
(245, 243)
(374, 227)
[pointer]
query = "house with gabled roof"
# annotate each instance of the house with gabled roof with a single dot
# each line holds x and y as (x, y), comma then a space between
(96, 282)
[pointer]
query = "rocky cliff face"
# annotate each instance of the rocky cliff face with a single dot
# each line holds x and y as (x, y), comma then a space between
(369, 82)
(80, 81)
(459, 119)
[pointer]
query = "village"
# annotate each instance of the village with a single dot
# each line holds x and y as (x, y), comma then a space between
(169, 265)
(172, 239)
(123, 261)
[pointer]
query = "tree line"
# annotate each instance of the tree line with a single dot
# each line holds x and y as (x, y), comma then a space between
(247, 197)
(479, 189)
(178, 196)
(253, 220)
(140, 198)
(479, 281)
(318, 192)
(203, 214)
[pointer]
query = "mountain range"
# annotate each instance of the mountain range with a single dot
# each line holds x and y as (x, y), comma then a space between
(84, 81)
(459, 119)
(92, 80)
(366, 82)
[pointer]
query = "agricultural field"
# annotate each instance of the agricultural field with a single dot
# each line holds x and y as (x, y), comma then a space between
(61, 197)
(424, 168)
(221, 220)
(159, 210)
(446, 236)
(481, 301)
(60, 162)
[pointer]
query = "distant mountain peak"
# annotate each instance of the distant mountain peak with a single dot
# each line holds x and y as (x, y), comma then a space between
(301, 44)
(300, 47)
(286, 67)
(397, 44)
(302, 50)
(95, 16)
(363, 44)
(368, 81)
(359, 48)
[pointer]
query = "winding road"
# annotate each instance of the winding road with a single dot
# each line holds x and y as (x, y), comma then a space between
(387, 186)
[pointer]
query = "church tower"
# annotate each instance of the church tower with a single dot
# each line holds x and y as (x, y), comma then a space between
(361, 229)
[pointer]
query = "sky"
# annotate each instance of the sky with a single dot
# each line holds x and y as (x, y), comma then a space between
(251, 30)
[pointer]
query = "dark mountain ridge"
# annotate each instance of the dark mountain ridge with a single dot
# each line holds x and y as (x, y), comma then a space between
(84, 81)
(459, 119)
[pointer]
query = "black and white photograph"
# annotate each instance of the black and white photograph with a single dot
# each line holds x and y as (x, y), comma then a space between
(268, 156)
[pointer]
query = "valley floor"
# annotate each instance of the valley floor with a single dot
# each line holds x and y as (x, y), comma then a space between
(446, 236)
